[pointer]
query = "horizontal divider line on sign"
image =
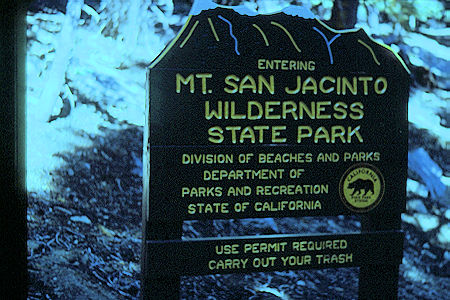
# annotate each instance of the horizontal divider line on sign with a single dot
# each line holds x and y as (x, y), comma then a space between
(247, 146)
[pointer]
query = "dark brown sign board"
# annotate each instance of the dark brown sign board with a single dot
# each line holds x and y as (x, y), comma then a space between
(271, 116)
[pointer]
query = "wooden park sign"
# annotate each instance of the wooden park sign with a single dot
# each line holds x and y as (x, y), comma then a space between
(273, 116)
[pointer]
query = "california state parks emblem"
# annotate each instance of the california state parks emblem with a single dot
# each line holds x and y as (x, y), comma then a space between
(361, 187)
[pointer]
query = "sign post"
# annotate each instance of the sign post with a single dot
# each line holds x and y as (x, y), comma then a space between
(273, 116)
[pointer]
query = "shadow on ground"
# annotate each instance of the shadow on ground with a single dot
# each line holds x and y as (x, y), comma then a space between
(85, 234)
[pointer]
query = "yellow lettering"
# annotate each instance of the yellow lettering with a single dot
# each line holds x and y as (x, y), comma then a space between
(340, 107)
(247, 83)
(230, 80)
(292, 110)
(276, 133)
(321, 84)
(301, 134)
(321, 133)
(269, 109)
(357, 109)
(216, 135)
(378, 81)
(309, 84)
(297, 88)
(213, 113)
(337, 132)
(181, 80)
(320, 109)
(346, 84)
(269, 86)
(203, 77)
(258, 106)
(365, 80)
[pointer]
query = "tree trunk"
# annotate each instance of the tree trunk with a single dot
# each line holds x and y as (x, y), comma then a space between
(55, 76)
(343, 14)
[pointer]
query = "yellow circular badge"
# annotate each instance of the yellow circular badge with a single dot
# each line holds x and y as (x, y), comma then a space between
(361, 187)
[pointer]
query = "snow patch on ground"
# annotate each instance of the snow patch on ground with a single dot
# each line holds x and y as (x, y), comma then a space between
(427, 222)
(46, 141)
(250, 8)
(427, 44)
(423, 113)
(444, 234)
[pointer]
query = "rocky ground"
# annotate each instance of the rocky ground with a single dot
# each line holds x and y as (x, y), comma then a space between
(85, 177)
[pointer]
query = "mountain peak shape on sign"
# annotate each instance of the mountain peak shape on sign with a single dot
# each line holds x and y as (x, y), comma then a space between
(223, 38)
